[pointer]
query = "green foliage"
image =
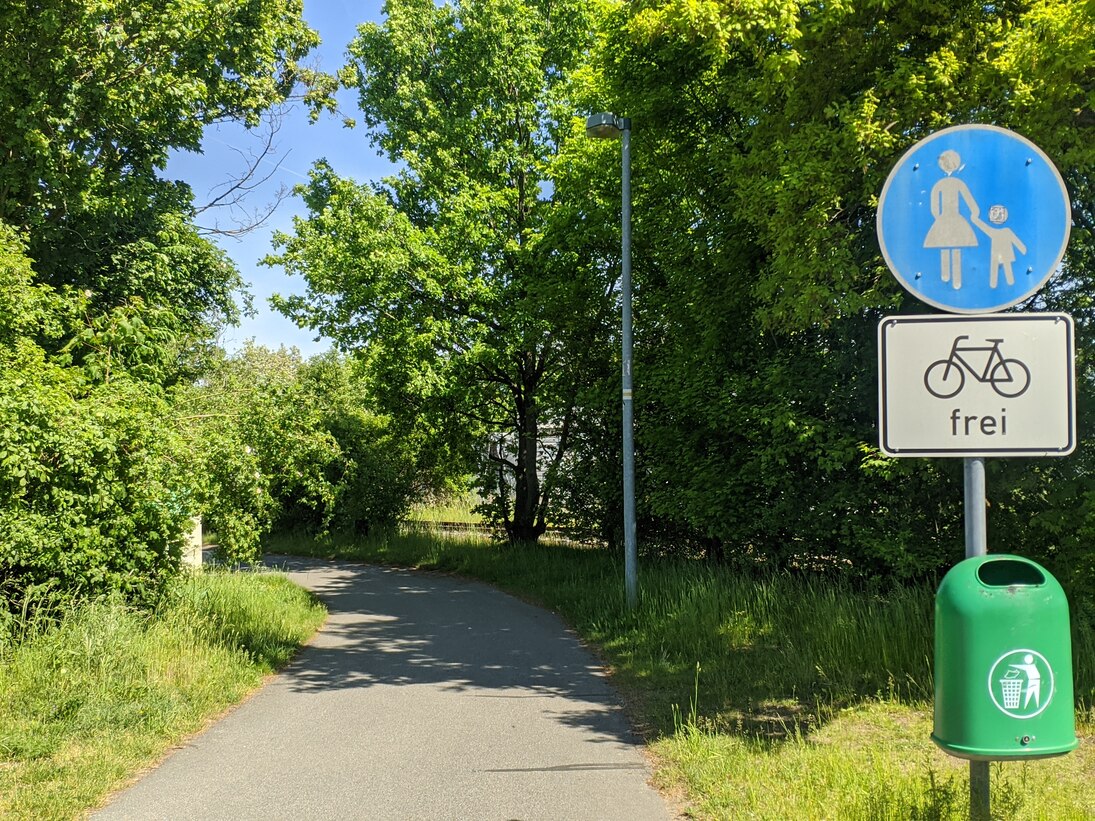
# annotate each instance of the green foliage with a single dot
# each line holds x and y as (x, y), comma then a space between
(91, 499)
(248, 431)
(763, 134)
(283, 443)
(109, 295)
(476, 287)
(97, 92)
(453, 276)
(380, 470)
(101, 467)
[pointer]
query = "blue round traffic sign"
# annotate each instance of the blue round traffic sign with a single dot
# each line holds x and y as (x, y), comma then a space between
(974, 219)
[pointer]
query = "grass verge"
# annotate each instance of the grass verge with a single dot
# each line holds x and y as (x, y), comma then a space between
(459, 509)
(770, 698)
(88, 700)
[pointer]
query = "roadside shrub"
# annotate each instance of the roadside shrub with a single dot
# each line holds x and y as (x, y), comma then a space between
(284, 443)
(91, 497)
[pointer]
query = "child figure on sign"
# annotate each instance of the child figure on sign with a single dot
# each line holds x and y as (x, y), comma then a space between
(1002, 245)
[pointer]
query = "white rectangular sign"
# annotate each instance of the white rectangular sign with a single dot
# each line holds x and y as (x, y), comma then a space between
(991, 385)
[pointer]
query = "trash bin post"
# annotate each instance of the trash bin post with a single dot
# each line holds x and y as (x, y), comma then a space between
(973, 470)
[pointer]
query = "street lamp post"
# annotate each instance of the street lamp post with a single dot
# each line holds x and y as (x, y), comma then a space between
(607, 125)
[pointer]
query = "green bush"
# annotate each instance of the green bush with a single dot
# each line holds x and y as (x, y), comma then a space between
(102, 464)
(284, 443)
(91, 496)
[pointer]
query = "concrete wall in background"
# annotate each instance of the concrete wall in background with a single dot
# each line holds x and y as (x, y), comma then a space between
(192, 549)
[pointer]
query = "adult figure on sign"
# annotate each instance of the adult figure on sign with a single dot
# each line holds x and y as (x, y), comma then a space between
(951, 231)
(1034, 680)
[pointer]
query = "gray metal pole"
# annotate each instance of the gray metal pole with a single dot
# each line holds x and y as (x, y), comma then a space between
(980, 803)
(631, 552)
(977, 545)
(976, 532)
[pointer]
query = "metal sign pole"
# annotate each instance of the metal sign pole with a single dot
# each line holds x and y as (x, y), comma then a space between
(977, 545)
(976, 534)
(607, 124)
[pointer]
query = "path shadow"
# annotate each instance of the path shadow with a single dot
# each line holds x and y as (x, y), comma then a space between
(391, 627)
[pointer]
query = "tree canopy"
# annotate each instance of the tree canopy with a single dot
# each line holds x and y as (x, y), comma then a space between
(478, 283)
(476, 287)
(110, 297)
(468, 316)
(760, 275)
(96, 93)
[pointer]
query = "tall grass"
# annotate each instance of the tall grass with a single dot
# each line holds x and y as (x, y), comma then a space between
(91, 696)
(777, 697)
(871, 762)
(458, 509)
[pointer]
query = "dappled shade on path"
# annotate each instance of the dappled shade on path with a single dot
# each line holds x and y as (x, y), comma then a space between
(424, 696)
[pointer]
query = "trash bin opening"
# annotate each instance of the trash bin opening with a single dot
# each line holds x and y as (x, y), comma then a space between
(1009, 573)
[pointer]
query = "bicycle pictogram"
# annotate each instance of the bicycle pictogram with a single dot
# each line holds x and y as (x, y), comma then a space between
(945, 378)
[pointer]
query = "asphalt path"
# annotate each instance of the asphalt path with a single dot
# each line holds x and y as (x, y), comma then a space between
(423, 697)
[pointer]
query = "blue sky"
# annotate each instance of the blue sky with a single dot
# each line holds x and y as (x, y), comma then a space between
(298, 145)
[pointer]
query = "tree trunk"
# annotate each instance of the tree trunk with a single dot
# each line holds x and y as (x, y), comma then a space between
(525, 527)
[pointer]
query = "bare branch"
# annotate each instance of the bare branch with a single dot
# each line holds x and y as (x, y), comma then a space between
(259, 165)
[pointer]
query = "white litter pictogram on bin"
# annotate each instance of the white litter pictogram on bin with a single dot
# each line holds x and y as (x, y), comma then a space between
(1021, 683)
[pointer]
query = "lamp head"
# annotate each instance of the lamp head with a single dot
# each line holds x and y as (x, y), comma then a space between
(606, 125)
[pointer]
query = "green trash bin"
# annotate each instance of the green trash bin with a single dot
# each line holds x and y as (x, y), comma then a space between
(1003, 662)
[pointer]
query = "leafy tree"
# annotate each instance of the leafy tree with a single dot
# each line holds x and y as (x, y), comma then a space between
(107, 290)
(763, 135)
(96, 93)
(281, 443)
(380, 472)
(448, 276)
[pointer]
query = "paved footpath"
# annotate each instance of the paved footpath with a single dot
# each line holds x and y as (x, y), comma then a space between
(423, 697)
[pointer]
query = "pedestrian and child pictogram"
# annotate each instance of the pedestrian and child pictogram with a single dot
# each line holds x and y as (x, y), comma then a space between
(974, 219)
(1021, 683)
